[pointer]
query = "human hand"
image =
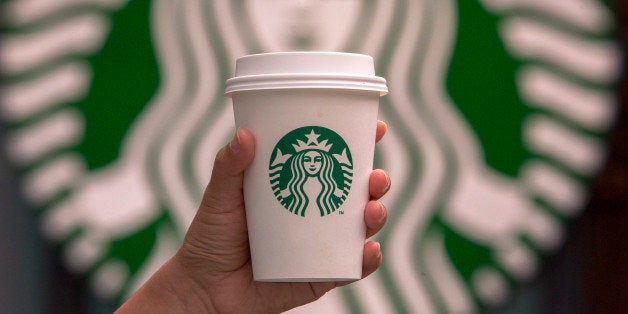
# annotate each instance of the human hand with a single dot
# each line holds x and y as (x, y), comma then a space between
(212, 270)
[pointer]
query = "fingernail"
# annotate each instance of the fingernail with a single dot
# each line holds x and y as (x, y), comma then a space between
(387, 182)
(382, 217)
(379, 250)
(234, 145)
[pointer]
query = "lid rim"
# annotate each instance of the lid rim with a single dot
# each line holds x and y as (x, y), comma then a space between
(306, 80)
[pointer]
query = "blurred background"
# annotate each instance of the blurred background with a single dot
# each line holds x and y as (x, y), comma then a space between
(507, 145)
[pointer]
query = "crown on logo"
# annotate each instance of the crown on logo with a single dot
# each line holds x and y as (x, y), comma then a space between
(312, 143)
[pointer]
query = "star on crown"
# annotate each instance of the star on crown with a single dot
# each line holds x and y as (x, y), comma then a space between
(312, 143)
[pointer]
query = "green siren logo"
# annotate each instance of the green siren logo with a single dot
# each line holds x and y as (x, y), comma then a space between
(311, 169)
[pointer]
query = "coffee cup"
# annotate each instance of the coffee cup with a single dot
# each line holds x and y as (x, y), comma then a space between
(313, 115)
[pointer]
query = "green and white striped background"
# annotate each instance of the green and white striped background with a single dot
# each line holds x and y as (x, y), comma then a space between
(497, 113)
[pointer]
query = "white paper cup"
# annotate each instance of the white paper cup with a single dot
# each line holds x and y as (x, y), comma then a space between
(313, 115)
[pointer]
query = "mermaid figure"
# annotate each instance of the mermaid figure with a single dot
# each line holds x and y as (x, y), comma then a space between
(308, 168)
(312, 174)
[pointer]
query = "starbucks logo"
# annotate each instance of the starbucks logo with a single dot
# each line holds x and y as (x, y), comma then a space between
(311, 170)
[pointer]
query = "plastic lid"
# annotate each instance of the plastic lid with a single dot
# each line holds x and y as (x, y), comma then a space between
(286, 70)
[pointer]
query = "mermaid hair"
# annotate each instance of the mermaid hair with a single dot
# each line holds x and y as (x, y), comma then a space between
(295, 186)
(325, 199)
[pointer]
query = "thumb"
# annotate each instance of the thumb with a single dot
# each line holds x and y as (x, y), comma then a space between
(218, 232)
(224, 192)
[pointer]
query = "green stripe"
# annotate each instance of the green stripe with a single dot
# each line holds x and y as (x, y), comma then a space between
(402, 204)
(360, 29)
(414, 81)
(156, 181)
(217, 104)
(365, 23)
(244, 28)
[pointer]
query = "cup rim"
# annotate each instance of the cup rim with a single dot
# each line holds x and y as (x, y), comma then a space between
(306, 81)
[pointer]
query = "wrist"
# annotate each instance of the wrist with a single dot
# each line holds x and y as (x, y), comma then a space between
(172, 290)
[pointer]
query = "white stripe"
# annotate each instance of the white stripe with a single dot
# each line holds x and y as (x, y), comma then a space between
(184, 204)
(172, 76)
(21, 12)
(165, 244)
(333, 21)
(590, 15)
(58, 221)
(595, 60)
(563, 192)
(445, 277)
(83, 34)
(60, 130)
(275, 176)
(544, 230)
(214, 136)
(372, 286)
(141, 135)
(490, 285)
(371, 293)
(380, 29)
(109, 278)
(414, 219)
(144, 133)
(63, 84)
(213, 139)
(547, 137)
(462, 139)
(228, 27)
(395, 160)
(460, 134)
(83, 252)
(42, 184)
(591, 108)
(517, 259)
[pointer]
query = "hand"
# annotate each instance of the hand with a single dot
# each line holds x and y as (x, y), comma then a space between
(212, 271)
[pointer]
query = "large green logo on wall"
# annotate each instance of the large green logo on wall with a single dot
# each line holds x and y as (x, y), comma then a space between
(311, 167)
(114, 112)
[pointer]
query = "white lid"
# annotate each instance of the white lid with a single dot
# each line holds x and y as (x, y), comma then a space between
(286, 70)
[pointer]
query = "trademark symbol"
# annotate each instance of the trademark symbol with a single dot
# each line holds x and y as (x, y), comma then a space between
(341, 212)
